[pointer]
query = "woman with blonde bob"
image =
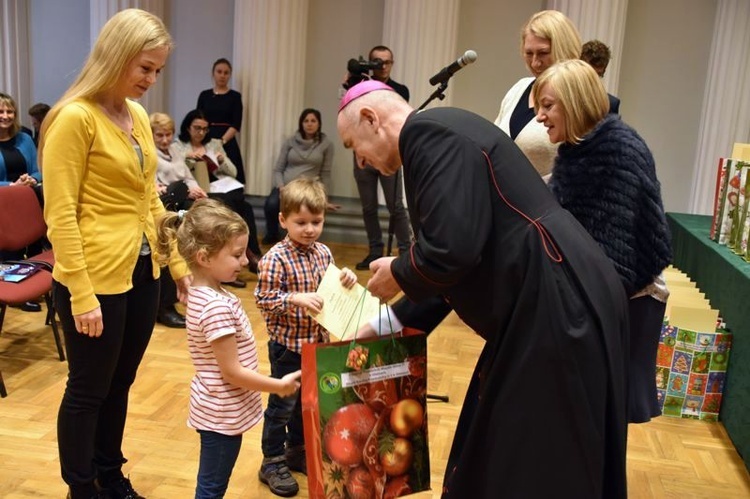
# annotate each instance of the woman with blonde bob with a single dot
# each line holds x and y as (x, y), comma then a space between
(605, 175)
(547, 37)
(101, 205)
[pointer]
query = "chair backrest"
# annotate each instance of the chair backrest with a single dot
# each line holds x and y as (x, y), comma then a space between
(21, 217)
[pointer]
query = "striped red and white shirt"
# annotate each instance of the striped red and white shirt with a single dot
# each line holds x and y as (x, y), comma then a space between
(216, 405)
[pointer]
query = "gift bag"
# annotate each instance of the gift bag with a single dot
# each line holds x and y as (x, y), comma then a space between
(691, 369)
(364, 416)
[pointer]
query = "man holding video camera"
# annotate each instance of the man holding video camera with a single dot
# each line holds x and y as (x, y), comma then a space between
(379, 64)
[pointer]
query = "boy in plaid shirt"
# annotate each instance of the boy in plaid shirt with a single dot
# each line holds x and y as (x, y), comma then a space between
(288, 277)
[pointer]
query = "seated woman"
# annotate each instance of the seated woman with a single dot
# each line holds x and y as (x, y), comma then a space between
(18, 166)
(307, 153)
(171, 168)
(194, 146)
(17, 150)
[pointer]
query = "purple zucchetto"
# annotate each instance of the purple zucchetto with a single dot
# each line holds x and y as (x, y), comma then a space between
(360, 89)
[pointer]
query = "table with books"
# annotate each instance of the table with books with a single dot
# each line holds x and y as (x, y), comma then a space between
(724, 276)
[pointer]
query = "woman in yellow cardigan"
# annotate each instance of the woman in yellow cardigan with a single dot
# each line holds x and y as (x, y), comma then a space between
(99, 163)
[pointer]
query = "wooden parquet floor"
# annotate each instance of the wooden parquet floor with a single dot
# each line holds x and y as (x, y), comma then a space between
(667, 458)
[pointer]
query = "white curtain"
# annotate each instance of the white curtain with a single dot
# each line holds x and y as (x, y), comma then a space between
(603, 21)
(101, 10)
(726, 102)
(15, 67)
(422, 35)
(269, 69)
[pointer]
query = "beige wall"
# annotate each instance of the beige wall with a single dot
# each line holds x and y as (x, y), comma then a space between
(663, 74)
(662, 81)
(664, 63)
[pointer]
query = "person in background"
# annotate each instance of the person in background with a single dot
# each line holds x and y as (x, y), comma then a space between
(225, 396)
(547, 37)
(288, 277)
(222, 107)
(194, 145)
(101, 208)
(597, 54)
(520, 271)
(605, 176)
(171, 164)
(171, 170)
(307, 153)
(367, 179)
(37, 112)
(18, 166)
(18, 161)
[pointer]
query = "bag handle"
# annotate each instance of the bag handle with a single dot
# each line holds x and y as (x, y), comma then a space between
(361, 306)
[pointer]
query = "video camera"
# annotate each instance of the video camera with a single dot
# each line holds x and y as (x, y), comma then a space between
(359, 70)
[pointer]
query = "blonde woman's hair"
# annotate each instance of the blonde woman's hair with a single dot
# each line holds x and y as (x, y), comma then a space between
(161, 120)
(580, 93)
(207, 226)
(7, 101)
(552, 25)
(306, 192)
(124, 36)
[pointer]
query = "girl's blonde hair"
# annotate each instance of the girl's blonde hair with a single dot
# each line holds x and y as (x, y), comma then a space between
(207, 226)
(301, 192)
(580, 94)
(7, 101)
(124, 36)
(552, 25)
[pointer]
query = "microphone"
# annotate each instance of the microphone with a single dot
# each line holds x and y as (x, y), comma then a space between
(445, 73)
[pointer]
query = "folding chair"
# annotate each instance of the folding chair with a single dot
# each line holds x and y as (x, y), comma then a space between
(22, 224)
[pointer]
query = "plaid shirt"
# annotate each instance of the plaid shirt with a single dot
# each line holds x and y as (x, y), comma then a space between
(286, 269)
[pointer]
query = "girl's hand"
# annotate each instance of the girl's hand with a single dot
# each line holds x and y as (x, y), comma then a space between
(348, 278)
(290, 384)
(311, 301)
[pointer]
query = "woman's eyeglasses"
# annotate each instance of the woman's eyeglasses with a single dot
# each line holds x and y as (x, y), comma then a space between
(200, 129)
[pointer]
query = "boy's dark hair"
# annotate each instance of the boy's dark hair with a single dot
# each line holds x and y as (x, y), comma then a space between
(39, 110)
(301, 192)
(596, 53)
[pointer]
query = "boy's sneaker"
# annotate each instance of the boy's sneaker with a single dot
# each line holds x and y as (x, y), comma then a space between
(274, 472)
(296, 458)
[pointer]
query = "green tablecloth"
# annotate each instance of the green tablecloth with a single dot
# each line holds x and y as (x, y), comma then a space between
(725, 279)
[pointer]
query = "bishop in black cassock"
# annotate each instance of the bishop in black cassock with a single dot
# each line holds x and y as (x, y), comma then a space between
(545, 413)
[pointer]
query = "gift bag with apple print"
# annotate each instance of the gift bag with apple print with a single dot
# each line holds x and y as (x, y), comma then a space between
(365, 418)
(691, 369)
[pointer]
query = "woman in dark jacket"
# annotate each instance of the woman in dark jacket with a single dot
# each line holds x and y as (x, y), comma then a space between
(604, 174)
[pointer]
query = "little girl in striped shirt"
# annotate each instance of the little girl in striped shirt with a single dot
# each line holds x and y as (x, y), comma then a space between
(225, 396)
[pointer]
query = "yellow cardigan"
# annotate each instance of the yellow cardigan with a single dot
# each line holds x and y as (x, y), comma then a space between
(98, 202)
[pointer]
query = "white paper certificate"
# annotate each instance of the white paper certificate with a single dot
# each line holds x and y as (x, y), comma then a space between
(343, 309)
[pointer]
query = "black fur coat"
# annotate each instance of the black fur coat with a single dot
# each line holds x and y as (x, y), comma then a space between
(608, 182)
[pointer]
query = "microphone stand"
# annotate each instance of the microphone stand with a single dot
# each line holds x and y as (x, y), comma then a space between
(438, 93)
